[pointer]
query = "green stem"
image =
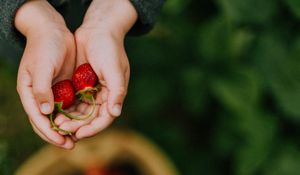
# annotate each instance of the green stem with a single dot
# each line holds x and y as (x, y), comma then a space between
(90, 97)
(55, 127)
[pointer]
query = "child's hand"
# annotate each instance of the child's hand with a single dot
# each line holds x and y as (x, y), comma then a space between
(100, 42)
(49, 56)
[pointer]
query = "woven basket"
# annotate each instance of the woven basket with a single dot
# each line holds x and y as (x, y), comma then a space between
(103, 150)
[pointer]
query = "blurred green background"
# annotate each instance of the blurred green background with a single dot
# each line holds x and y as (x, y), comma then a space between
(216, 85)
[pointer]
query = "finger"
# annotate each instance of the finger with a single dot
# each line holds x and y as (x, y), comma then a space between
(66, 119)
(41, 75)
(74, 125)
(80, 52)
(41, 86)
(115, 100)
(42, 135)
(102, 96)
(41, 122)
(82, 107)
(116, 91)
(60, 118)
(69, 61)
(69, 144)
(98, 124)
(74, 139)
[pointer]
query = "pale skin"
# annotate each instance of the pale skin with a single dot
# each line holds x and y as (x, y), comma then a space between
(52, 53)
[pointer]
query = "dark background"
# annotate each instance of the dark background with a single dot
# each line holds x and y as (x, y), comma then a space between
(216, 85)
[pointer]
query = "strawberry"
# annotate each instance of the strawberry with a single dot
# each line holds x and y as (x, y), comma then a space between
(85, 82)
(64, 93)
(64, 97)
(84, 78)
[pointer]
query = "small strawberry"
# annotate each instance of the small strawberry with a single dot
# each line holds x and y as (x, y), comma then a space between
(64, 93)
(85, 82)
(84, 78)
(64, 97)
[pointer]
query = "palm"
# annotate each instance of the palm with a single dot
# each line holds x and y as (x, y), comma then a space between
(103, 57)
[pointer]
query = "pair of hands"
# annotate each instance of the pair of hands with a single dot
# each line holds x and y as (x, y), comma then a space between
(52, 53)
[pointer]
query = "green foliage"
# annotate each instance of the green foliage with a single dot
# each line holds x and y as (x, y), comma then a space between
(230, 75)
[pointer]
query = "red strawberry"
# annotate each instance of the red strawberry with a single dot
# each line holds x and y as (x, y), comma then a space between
(84, 78)
(64, 93)
(64, 97)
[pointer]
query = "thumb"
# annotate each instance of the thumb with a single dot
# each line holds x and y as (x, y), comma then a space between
(41, 86)
(116, 92)
(42, 71)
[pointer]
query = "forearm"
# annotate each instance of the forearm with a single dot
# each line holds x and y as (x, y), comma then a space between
(36, 15)
(116, 15)
(8, 13)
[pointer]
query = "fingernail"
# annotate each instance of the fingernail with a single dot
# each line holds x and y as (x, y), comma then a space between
(46, 108)
(116, 110)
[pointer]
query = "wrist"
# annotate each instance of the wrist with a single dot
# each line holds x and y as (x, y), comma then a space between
(114, 16)
(35, 16)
